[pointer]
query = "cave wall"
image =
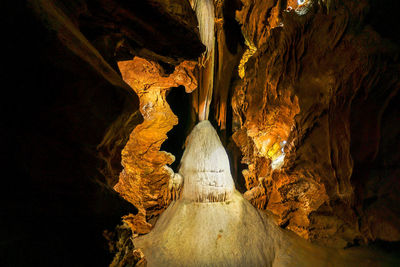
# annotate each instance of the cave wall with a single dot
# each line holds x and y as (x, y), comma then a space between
(323, 79)
(67, 114)
(144, 181)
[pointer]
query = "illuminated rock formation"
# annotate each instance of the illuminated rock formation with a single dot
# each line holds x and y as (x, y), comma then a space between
(202, 229)
(304, 95)
(297, 118)
(144, 180)
(205, 72)
(312, 77)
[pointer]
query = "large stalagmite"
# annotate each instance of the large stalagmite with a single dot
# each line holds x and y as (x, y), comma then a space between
(210, 225)
(205, 166)
(205, 229)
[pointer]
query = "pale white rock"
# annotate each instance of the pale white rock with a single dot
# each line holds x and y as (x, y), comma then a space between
(175, 183)
(231, 233)
(205, 16)
(205, 166)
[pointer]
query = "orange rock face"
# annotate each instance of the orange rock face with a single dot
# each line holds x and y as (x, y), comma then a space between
(303, 86)
(144, 179)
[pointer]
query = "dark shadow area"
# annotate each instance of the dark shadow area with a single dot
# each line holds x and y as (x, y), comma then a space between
(55, 204)
(231, 26)
(234, 153)
(392, 248)
(180, 103)
(384, 17)
(374, 147)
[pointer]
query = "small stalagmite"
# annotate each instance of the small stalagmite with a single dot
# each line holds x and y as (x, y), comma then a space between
(213, 225)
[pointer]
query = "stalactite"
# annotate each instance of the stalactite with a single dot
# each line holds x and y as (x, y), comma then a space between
(228, 53)
(202, 98)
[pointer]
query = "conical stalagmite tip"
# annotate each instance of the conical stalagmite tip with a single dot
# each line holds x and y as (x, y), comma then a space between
(205, 166)
(204, 124)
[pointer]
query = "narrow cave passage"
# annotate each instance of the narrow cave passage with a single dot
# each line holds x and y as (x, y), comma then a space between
(180, 104)
(246, 105)
(313, 83)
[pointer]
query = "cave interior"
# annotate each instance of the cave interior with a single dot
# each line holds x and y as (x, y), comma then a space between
(201, 133)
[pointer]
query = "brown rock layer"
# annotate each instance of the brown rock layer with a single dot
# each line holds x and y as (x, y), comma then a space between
(317, 68)
(164, 30)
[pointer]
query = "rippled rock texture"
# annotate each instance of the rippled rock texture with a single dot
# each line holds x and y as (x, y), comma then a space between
(144, 179)
(320, 90)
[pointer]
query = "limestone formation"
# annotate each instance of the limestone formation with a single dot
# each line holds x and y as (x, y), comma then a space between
(205, 166)
(202, 229)
(321, 79)
(145, 178)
